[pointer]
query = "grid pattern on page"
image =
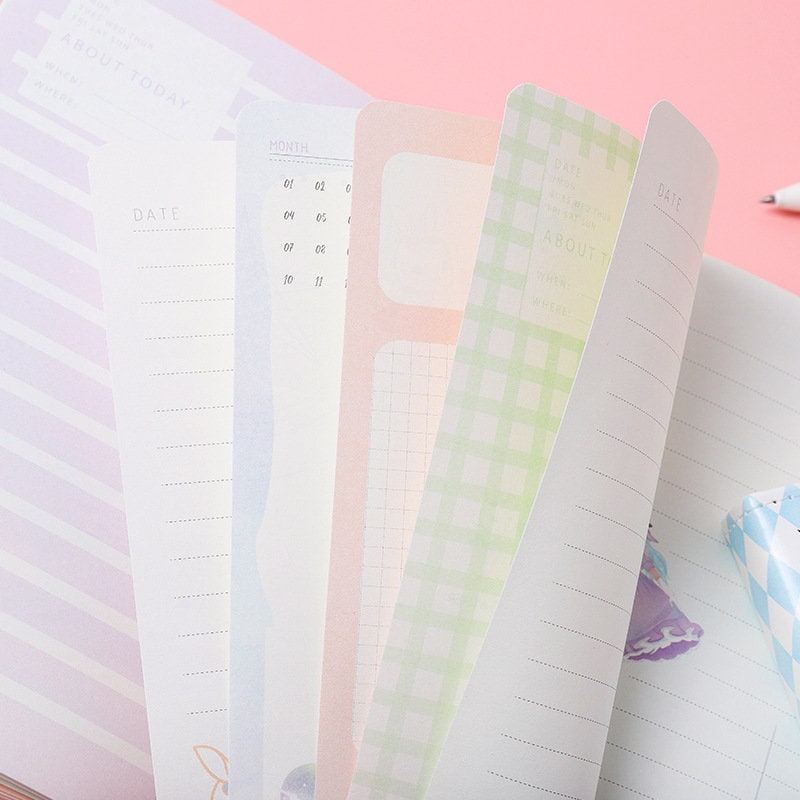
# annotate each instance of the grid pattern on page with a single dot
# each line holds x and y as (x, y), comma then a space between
(307, 299)
(293, 189)
(510, 380)
(421, 182)
(409, 384)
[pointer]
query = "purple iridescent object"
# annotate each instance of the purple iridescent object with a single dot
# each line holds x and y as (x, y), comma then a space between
(299, 784)
(658, 628)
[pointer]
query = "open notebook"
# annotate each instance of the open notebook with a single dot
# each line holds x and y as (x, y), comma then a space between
(662, 718)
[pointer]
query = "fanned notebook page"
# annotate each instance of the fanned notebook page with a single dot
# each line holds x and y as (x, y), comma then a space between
(294, 184)
(560, 182)
(420, 185)
(715, 722)
(73, 74)
(165, 222)
(535, 713)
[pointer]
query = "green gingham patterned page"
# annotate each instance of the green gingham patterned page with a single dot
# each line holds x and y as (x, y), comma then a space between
(558, 191)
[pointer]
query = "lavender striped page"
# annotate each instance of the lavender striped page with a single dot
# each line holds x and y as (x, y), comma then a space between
(75, 74)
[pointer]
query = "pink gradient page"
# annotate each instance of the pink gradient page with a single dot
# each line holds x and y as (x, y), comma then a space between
(398, 340)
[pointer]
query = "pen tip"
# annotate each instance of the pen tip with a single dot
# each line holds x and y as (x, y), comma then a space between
(770, 198)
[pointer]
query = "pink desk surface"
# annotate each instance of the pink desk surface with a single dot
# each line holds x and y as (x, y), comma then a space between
(731, 66)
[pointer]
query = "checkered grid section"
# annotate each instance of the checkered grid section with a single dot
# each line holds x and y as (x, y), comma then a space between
(409, 385)
(765, 539)
(507, 391)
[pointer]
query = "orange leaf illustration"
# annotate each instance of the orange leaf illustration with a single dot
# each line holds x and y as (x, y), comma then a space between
(215, 763)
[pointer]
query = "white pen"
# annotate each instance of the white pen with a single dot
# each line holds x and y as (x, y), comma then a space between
(788, 198)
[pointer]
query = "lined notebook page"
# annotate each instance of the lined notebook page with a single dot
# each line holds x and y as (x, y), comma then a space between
(294, 184)
(165, 225)
(716, 722)
(535, 713)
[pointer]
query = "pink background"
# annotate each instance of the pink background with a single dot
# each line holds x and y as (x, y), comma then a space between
(732, 67)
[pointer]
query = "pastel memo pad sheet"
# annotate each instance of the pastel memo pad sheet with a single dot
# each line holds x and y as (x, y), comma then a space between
(764, 535)
(544, 247)
(166, 251)
(536, 710)
(420, 182)
(294, 176)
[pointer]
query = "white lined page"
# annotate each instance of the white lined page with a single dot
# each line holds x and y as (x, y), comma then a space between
(165, 224)
(535, 713)
(716, 722)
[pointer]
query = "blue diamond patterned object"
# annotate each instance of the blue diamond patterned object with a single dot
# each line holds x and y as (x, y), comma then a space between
(764, 536)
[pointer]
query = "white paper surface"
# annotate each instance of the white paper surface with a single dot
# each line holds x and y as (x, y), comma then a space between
(165, 229)
(295, 179)
(716, 722)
